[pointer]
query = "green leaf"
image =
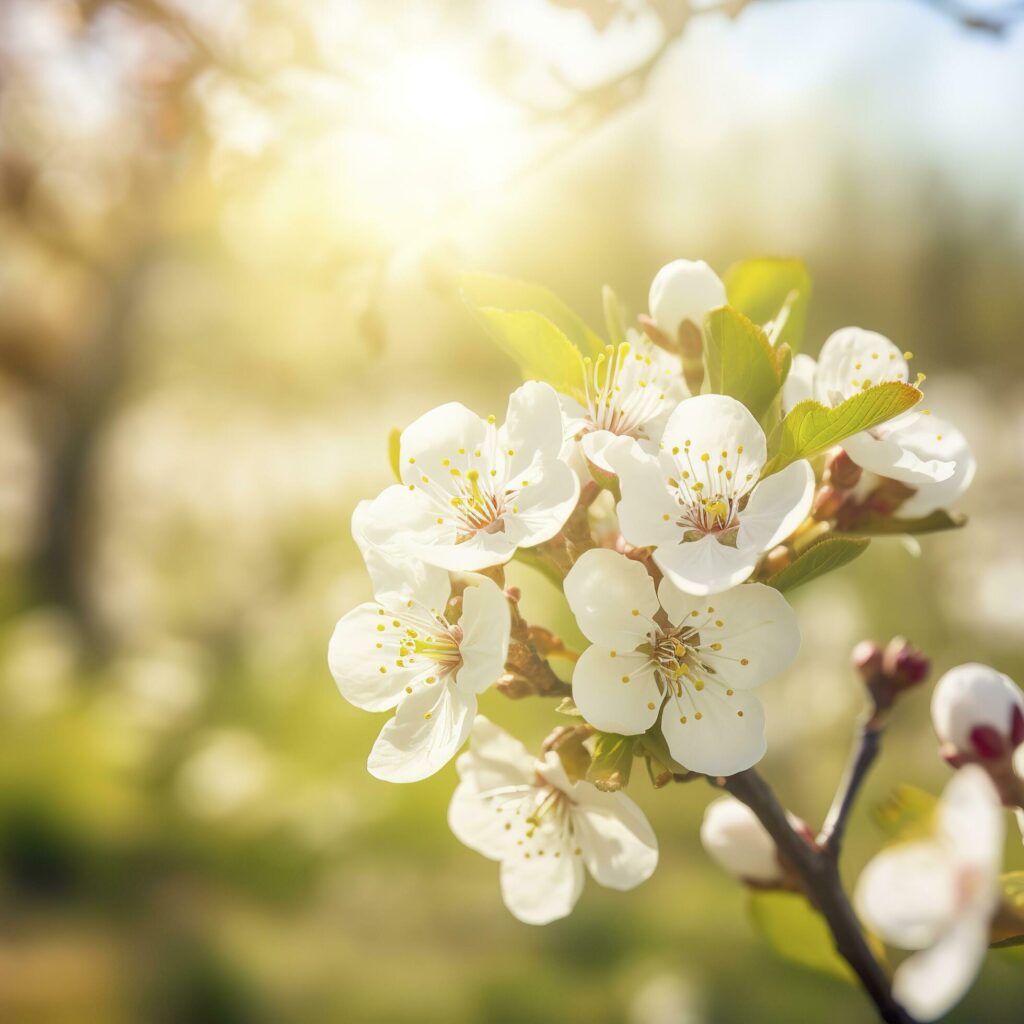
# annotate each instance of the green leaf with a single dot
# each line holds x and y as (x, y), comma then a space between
(811, 427)
(612, 760)
(1008, 926)
(799, 934)
(542, 351)
(394, 452)
(907, 813)
(614, 317)
(827, 554)
(740, 360)
(491, 291)
(935, 522)
(767, 289)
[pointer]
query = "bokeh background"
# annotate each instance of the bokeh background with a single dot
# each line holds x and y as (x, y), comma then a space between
(228, 238)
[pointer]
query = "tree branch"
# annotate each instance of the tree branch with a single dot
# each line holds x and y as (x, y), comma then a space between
(830, 838)
(819, 875)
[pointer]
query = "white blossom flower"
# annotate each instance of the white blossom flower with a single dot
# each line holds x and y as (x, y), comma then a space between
(401, 651)
(739, 843)
(684, 290)
(628, 392)
(903, 448)
(668, 656)
(978, 711)
(544, 829)
(472, 492)
(701, 502)
(938, 896)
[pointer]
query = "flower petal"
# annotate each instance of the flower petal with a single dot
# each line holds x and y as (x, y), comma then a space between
(480, 551)
(933, 981)
(360, 649)
(425, 734)
(907, 894)
(542, 887)
(777, 506)
(881, 452)
(721, 428)
(971, 820)
(932, 438)
(684, 290)
(647, 511)
(853, 359)
(748, 634)
(490, 823)
(612, 597)
(539, 501)
(450, 432)
(608, 702)
(495, 760)
(385, 530)
(485, 623)
(619, 847)
(799, 384)
(728, 737)
(705, 566)
(533, 426)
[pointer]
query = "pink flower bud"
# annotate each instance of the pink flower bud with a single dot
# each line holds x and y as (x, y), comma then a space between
(867, 658)
(904, 663)
(978, 712)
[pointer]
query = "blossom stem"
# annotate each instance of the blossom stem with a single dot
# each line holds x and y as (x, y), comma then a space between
(869, 737)
(818, 873)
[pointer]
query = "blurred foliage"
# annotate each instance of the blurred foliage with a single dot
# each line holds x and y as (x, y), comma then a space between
(230, 239)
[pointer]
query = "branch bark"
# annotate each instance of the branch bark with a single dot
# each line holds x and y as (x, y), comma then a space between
(830, 838)
(818, 873)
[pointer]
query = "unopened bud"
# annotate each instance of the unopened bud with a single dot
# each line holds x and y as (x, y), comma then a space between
(978, 713)
(907, 665)
(842, 472)
(684, 290)
(867, 658)
(739, 843)
(888, 673)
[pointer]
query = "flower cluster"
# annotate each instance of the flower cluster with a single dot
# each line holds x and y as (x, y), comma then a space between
(694, 422)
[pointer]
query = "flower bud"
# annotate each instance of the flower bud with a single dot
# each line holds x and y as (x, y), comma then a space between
(684, 290)
(867, 658)
(978, 712)
(738, 842)
(842, 472)
(905, 664)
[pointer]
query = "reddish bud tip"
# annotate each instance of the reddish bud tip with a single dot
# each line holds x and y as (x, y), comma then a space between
(1017, 727)
(987, 742)
(907, 665)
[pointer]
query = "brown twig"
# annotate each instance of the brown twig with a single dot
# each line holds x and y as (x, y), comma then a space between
(868, 743)
(818, 874)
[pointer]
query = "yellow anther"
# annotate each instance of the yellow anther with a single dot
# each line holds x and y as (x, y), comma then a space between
(698, 715)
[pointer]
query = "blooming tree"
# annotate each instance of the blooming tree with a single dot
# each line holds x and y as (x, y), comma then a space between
(676, 479)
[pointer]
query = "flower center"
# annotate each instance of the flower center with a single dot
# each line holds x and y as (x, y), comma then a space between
(710, 491)
(620, 395)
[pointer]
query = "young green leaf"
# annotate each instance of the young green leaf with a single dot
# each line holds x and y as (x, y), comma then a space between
(810, 427)
(614, 317)
(542, 351)
(491, 291)
(740, 361)
(822, 557)
(612, 760)
(772, 290)
(798, 933)
(934, 522)
(1008, 926)
(907, 813)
